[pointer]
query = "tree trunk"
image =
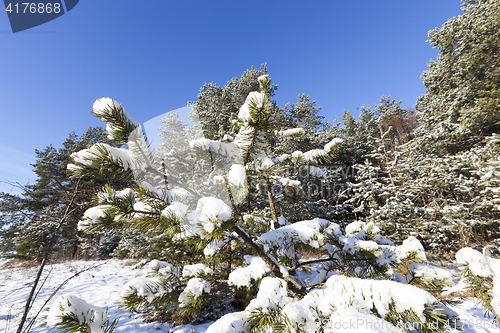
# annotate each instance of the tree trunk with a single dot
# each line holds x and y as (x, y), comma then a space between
(275, 224)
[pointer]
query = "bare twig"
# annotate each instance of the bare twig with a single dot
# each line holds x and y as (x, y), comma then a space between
(300, 264)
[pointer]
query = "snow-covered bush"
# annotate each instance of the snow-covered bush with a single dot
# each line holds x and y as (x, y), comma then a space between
(344, 300)
(482, 277)
(340, 300)
(70, 313)
(153, 290)
(194, 296)
(448, 201)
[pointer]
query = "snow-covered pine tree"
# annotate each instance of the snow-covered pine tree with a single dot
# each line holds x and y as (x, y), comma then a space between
(443, 168)
(461, 105)
(217, 107)
(274, 266)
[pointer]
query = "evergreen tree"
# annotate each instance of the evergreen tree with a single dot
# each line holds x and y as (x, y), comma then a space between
(461, 105)
(12, 217)
(31, 218)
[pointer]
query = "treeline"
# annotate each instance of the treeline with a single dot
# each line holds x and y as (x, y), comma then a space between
(430, 171)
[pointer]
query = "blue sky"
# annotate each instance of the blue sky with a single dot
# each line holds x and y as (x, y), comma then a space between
(154, 55)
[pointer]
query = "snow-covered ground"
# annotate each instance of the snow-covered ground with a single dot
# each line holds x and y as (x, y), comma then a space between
(101, 286)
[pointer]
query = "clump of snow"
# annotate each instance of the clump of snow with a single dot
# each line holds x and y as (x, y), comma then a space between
(228, 150)
(307, 232)
(355, 228)
(282, 158)
(237, 175)
(353, 245)
(475, 260)
(353, 320)
(195, 287)
(362, 237)
(272, 294)
(256, 98)
(152, 286)
(92, 215)
(120, 156)
(312, 155)
(210, 212)
(85, 313)
(341, 293)
(264, 161)
(84, 156)
(219, 179)
(495, 291)
(142, 207)
(214, 247)
(235, 322)
(283, 221)
(335, 142)
(106, 106)
(292, 132)
(286, 181)
(243, 276)
(182, 194)
(282, 240)
(262, 79)
(162, 267)
(177, 209)
(485, 267)
(409, 246)
(430, 272)
(460, 286)
(195, 270)
(315, 171)
(297, 156)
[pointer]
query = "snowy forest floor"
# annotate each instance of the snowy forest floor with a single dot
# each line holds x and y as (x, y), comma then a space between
(101, 283)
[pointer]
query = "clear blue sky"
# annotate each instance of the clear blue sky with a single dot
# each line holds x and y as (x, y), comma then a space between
(154, 55)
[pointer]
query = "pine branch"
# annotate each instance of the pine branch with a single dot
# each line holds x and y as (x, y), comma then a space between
(295, 286)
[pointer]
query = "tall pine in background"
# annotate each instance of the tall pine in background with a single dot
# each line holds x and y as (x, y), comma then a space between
(462, 103)
(30, 219)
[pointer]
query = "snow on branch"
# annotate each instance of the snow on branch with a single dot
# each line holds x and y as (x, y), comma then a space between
(119, 124)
